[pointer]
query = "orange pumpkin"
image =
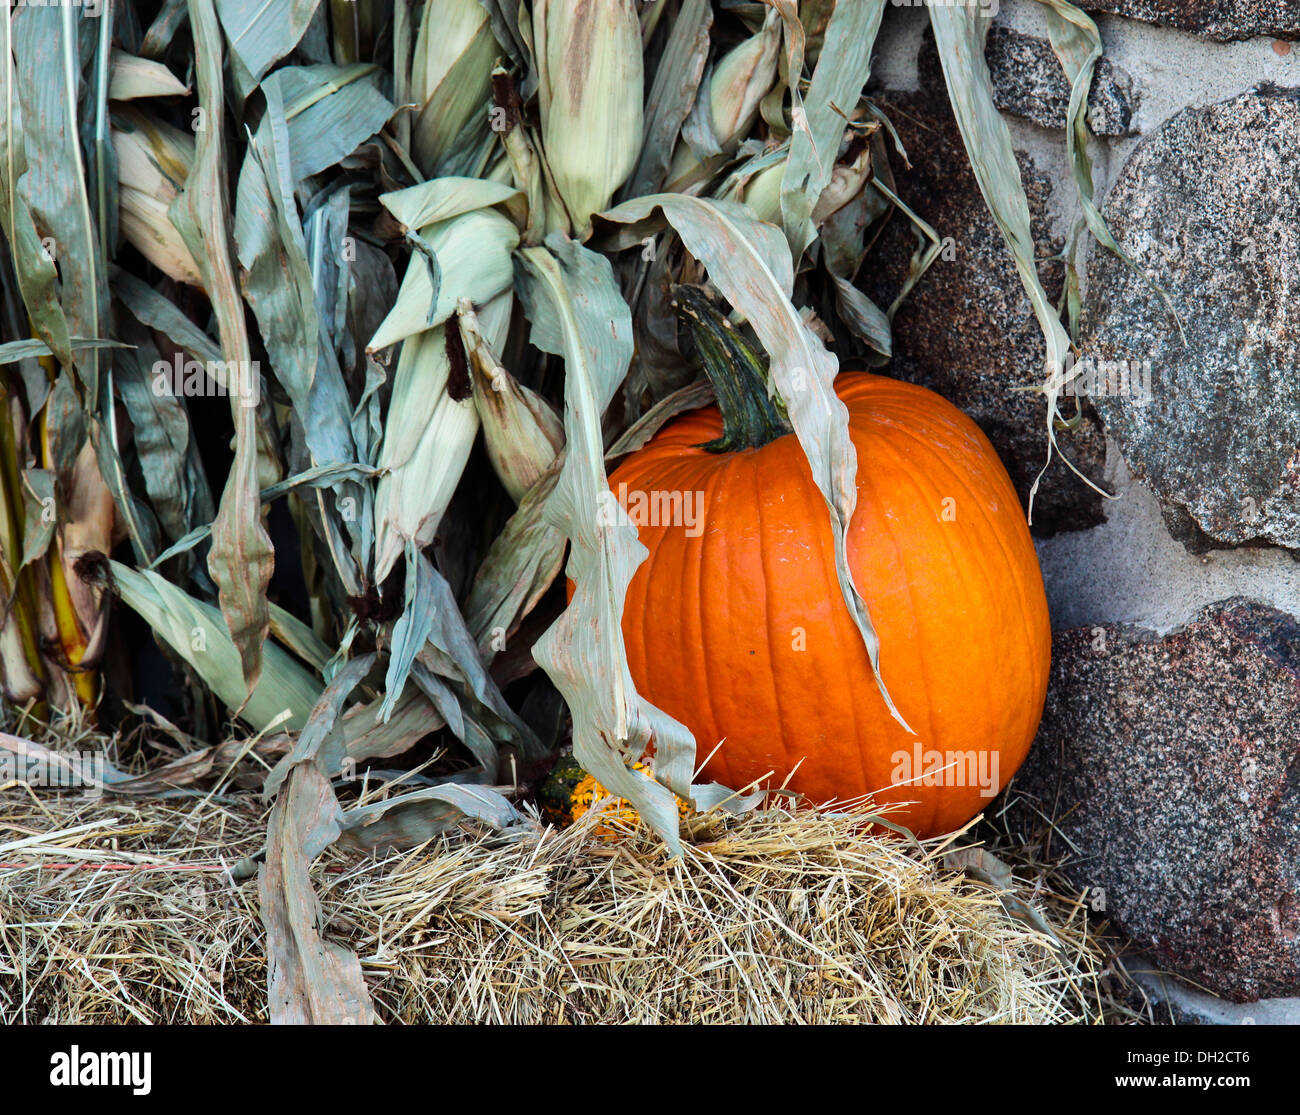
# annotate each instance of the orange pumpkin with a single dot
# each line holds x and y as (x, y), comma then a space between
(736, 627)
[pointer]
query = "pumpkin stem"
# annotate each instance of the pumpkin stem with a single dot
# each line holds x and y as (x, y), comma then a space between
(750, 416)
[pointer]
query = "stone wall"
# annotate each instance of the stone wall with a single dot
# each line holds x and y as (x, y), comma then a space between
(1170, 750)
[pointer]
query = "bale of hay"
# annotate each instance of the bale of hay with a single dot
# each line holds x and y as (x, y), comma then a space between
(117, 910)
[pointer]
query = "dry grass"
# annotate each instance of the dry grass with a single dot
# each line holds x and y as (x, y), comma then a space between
(123, 911)
(1039, 857)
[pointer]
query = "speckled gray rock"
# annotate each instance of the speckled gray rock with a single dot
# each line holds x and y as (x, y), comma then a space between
(1209, 208)
(1225, 20)
(1172, 769)
(1028, 81)
(967, 330)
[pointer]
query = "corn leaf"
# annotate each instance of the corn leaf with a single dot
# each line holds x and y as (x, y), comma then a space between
(280, 281)
(195, 631)
(1077, 44)
(310, 979)
(336, 274)
(158, 312)
(301, 639)
(277, 280)
(521, 564)
(867, 320)
(39, 493)
(47, 57)
(168, 458)
(371, 737)
(411, 631)
(691, 397)
(960, 34)
(241, 558)
(413, 818)
(322, 741)
(31, 255)
(166, 25)
(576, 311)
(837, 82)
(329, 111)
(261, 32)
(13, 351)
(452, 653)
(676, 83)
(325, 477)
(749, 262)
(141, 525)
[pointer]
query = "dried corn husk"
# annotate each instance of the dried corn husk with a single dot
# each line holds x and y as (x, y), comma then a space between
(451, 73)
(427, 439)
(521, 430)
(473, 258)
(132, 78)
(153, 161)
(724, 117)
(87, 533)
(19, 682)
(61, 642)
(760, 189)
(848, 180)
(21, 671)
(590, 95)
(740, 82)
(19, 660)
